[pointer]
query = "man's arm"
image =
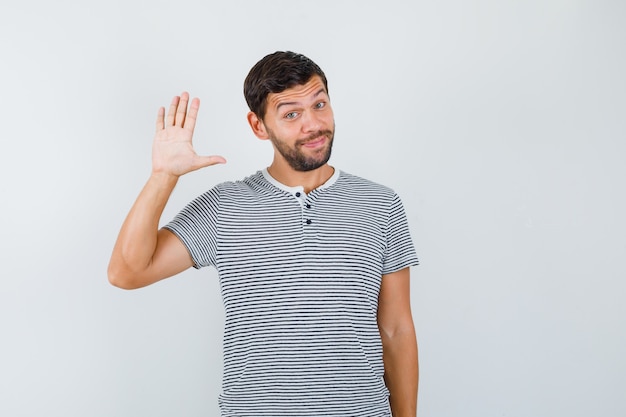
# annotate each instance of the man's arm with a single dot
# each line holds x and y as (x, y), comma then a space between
(143, 254)
(399, 343)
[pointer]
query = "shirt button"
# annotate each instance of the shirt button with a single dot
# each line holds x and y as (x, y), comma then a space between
(308, 221)
(308, 206)
(298, 194)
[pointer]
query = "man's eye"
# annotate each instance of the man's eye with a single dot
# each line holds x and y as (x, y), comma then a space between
(320, 105)
(291, 115)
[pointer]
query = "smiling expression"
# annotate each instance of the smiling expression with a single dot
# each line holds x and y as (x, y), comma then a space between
(300, 124)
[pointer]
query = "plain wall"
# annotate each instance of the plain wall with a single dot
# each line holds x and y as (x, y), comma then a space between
(501, 124)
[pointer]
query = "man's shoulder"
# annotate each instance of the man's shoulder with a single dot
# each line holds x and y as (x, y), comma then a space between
(249, 182)
(362, 184)
(254, 187)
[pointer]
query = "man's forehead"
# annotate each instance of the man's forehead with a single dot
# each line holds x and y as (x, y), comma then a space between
(298, 93)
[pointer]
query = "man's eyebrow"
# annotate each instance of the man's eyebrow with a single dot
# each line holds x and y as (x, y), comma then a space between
(320, 91)
(291, 103)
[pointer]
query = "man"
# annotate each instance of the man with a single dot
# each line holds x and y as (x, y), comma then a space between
(313, 262)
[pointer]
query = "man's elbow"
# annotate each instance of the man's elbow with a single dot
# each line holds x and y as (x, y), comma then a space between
(121, 279)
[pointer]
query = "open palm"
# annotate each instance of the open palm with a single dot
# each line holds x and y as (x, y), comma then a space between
(172, 150)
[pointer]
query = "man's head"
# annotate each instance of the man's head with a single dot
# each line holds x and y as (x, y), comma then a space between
(289, 105)
(275, 73)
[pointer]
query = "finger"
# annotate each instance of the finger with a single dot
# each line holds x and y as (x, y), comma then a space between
(171, 114)
(159, 122)
(205, 161)
(192, 116)
(181, 111)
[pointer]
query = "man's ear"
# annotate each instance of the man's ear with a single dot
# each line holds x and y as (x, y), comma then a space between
(258, 128)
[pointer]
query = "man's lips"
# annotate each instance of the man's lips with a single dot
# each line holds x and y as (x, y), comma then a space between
(314, 143)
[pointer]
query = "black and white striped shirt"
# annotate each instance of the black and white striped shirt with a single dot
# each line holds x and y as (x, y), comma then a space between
(300, 276)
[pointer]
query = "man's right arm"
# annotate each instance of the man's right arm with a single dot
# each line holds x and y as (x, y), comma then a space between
(143, 254)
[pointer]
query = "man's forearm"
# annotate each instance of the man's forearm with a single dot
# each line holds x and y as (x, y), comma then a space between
(137, 240)
(401, 371)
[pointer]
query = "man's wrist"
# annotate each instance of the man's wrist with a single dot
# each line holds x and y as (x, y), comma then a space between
(163, 178)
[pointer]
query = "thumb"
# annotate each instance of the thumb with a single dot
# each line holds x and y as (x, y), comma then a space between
(205, 161)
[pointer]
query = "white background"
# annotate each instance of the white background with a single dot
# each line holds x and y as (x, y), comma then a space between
(501, 124)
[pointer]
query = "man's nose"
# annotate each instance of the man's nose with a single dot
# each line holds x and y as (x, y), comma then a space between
(311, 122)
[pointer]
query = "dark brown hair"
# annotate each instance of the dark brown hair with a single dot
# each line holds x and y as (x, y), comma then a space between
(275, 73)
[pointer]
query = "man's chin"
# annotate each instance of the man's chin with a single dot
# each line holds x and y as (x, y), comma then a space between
(310, 164)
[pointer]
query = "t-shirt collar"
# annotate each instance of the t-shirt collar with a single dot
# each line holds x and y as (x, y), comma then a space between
(298, 188)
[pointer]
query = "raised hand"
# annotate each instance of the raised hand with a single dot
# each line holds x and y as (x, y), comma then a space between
(172, 149)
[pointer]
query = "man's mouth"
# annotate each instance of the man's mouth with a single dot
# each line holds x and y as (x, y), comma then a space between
(314, 143)
(316, 140)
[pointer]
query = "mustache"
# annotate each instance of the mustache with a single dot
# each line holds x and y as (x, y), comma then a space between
(313, 136)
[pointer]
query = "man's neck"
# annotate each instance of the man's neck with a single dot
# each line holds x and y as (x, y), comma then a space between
(310, 180)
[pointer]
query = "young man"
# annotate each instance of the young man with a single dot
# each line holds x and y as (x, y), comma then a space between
(313, 262)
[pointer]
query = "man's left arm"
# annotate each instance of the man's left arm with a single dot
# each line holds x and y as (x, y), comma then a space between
(397, 331)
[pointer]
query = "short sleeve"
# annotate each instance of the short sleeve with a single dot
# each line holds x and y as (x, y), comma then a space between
(399, 251)
(196, 227)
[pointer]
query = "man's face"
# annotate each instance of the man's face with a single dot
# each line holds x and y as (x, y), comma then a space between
(300, 124)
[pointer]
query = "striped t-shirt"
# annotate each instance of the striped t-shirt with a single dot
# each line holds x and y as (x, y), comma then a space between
(300, 276)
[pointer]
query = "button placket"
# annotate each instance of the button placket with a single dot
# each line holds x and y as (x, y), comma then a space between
(302, 198)
(306, 205)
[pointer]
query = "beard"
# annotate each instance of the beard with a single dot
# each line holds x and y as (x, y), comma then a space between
(299, 160)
